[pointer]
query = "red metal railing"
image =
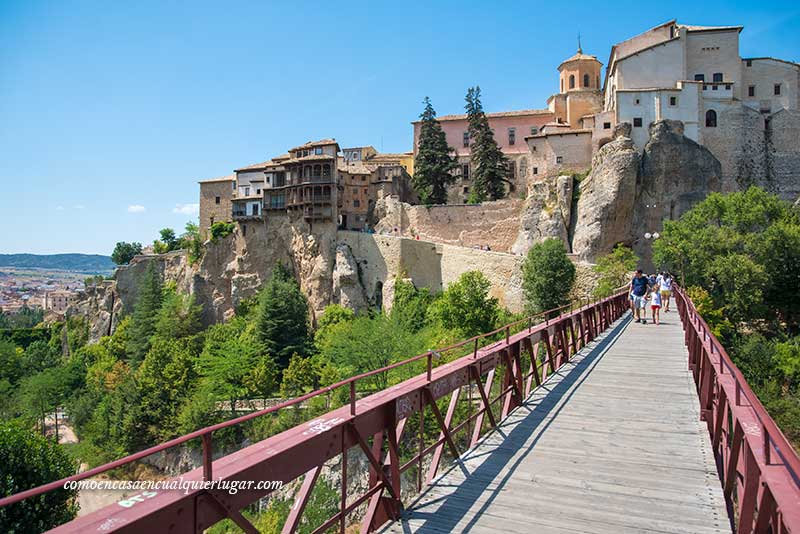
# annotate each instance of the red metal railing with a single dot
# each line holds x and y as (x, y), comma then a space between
(525, 356)
(759, 468)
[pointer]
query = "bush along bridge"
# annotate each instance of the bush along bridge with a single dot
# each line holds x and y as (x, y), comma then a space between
(578, 422)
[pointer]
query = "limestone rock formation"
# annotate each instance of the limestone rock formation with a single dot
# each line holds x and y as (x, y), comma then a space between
(546, 213)
(676, 173)
(607, 195)
(347, 289)
(101, 307)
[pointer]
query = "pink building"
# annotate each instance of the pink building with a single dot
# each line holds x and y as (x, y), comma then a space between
(510, 130)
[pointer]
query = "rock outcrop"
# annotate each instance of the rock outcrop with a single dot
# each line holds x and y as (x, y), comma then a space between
(347, 287)
(546, 212)
(606, 203)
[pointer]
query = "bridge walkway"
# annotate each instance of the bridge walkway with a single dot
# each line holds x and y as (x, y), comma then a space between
(611, 443)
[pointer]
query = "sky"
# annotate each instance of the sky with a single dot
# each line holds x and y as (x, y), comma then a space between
(110, 112)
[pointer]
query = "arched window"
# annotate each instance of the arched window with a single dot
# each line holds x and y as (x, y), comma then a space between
(562, 85)
(711, 119)
(307, 170)
(572, 81)
(586, 80)
(317, 170)
(326, 169)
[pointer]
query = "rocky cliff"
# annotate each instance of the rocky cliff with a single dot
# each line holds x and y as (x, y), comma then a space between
(627, 195)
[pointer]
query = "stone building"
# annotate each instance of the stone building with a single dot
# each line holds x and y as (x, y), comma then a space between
(216, 197)
(59, 301)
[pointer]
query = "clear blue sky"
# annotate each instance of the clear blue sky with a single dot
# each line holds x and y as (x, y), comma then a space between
(109, 105)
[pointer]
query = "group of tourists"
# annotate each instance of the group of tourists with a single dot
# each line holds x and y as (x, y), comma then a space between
(655, 289)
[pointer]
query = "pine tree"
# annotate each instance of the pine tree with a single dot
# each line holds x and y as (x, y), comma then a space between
(282, 322)
(489, 164)
(433, 165)
(145, 315)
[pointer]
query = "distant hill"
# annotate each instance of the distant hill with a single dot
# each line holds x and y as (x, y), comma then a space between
(85, 263)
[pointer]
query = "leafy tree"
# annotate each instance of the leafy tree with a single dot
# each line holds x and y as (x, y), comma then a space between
(221, 229)
(40, 395)
(282, 322)
(145, 314)
(744, 249)
(433, 164)
(410, 305)
(165, 379)
(229, 355)
(11, 362)
(720, 325)
(547, 276)
(124, 252)
(168, 238)
(365, 344)
(466, 307)
(30, 460)
(38, 357)
(190, 240)
(332, 315)
(299, 377)
(178, 317)
(489, 164)
(614, 270)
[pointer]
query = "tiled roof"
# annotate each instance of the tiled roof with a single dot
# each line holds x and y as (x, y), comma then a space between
(579, 56)
(497, 114)
(312, 144)
(254, 166)
(356, 168)
(310, 157)
(229, 178)
(709, 28)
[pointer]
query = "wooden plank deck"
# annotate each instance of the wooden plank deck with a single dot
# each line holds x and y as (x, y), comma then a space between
(612, 443)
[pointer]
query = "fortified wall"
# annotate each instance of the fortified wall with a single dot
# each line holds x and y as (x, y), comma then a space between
(381, 259)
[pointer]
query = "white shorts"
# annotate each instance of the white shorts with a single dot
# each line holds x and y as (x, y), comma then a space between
(639, 302)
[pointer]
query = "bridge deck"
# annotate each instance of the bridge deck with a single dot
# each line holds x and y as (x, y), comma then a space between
(611, 443)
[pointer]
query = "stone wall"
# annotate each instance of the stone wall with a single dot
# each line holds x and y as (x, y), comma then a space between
(495, 224)
(434, 265)
(783, 155)
(210, 211)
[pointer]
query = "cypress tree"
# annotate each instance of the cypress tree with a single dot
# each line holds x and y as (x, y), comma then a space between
(489, 164)
(145, 315)
(433, 165)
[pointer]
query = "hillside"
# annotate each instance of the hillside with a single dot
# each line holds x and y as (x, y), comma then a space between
(87, 263)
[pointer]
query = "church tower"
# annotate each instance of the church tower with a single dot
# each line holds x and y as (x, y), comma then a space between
(579, 89)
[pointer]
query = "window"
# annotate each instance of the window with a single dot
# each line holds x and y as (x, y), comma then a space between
(751, 90)
(536, 170)
(777, 89)
(466, 190)
(673, 101)
(562, 86)
(586, 80)
(512, 136)
(258, 191)
(233, 185)
(749, 63)
(699, 77)
(216, 200)
(711, 119)
(572, 81)
(326, 169)
(356, 203)
(523, 167)
(637, 122)
(212, 220)
(466, 139)
(318, 150)
(606, 125)
(559, 159)
(246, 191)
(465, 172)
(534, 130)
(637, 101)
(363, 178)
(244, 230)
(717, 77)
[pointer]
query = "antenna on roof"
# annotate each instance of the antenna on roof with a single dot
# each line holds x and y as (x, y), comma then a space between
(580, 51)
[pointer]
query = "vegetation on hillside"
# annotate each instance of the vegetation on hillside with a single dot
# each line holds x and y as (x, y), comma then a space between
(614, 270)
(547, 276)
(739, 257)
(84, 263)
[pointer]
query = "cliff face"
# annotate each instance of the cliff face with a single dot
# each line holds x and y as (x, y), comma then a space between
(627, 196)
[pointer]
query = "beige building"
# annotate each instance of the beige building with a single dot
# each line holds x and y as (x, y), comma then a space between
(216, 195)
(58, 301)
